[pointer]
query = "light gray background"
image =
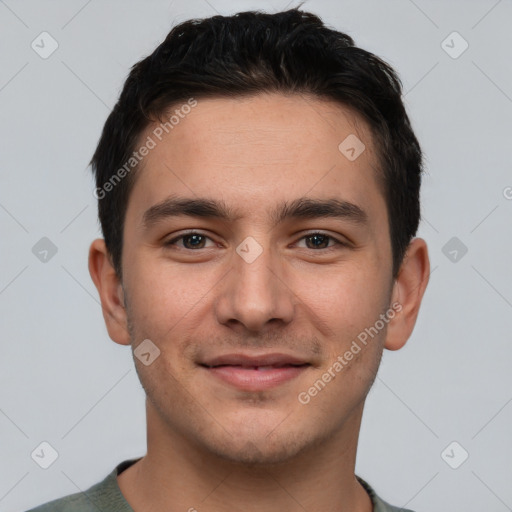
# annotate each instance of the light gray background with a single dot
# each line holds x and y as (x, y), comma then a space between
(61, 378)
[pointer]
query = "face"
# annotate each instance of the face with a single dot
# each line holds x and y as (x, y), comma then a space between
(290, 259)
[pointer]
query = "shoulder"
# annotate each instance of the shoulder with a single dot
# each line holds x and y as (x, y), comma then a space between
(383, 506)
(104, 495)
(379, 505)
(88, 501)
(74, 502)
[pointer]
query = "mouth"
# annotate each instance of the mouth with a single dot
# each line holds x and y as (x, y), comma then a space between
(255, 367)
(259, 373)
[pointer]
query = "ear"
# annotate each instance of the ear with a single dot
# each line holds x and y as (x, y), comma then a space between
(111, 292)
(408, 291)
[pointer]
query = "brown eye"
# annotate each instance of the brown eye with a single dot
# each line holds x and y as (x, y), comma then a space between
(321, 241)
(318, 241)
(190, 241)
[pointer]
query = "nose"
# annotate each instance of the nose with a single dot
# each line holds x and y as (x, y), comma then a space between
(255, 294)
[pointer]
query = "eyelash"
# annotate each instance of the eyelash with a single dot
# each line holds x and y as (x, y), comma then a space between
(337, 243)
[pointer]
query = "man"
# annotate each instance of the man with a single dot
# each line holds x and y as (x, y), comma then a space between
(258, 190)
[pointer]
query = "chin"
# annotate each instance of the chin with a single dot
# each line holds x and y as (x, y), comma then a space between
(259, 449)
(252, 454)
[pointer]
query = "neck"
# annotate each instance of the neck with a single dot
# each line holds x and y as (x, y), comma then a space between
(179, 475)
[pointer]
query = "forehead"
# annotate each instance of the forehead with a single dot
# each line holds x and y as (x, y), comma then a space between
(256, 150)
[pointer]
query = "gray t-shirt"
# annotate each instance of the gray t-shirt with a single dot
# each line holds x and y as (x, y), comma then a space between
(106, 496)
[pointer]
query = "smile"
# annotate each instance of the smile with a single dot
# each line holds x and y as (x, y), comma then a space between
(255, 378)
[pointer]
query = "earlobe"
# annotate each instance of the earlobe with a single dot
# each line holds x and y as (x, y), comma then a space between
(408, 291)
(111, 292)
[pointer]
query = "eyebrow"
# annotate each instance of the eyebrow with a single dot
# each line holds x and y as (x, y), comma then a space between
(301, 208)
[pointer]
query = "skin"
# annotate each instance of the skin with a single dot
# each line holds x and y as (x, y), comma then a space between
(212, 446)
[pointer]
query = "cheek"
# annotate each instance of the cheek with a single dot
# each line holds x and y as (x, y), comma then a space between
(345, 306)
(347, 298)
(166, 297)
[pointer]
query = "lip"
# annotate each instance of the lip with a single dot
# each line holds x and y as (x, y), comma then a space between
(252, 373)
(247, 360)
(254, 379)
